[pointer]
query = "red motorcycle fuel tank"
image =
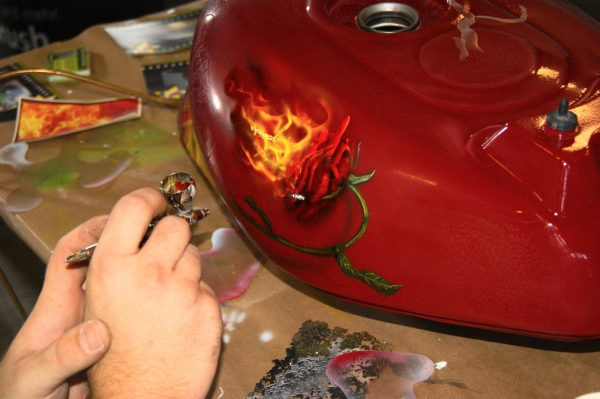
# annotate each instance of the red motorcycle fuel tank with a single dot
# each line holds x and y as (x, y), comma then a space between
(438, 158)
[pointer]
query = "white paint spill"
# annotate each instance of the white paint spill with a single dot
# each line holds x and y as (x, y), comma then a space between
(232, 318)
(593, 395)
(240, 317)
(266, 336)
(440, 365)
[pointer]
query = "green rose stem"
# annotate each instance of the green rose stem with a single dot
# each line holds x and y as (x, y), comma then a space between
(370, 278)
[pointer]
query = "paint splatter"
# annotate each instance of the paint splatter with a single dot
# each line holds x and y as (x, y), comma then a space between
(301, 374)
(378, 374)
(232, 317)
(266, 336)
(63, 171)
(440, 365)
(14, 155)
(229, 266)
(85, 160)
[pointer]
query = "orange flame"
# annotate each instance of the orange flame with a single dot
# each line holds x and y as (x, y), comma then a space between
(40, 120)
(279, 138)
(44, 119)
(291, 143)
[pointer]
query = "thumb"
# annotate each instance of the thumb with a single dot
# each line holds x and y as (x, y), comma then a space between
(74, 351)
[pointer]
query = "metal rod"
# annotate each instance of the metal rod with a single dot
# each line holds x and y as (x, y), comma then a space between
(108, 86)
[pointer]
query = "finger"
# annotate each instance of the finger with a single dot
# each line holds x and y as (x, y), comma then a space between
(60, 275)
(60, 305)
(168, 242)
(129, 221)
(209, 294)
(84, 235)
(75, 351)
(79, 388)
(189, 267)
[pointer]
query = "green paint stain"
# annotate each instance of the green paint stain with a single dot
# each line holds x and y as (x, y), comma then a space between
(146, 145)
(58, 181)
(91, 156)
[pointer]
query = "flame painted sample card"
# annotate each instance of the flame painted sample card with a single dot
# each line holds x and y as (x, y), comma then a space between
(169, 79)
(43, 119)
(156, 37)
(12, 89)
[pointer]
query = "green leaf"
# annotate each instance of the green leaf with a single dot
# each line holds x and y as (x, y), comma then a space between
(333, 194)
(370, 278)
(356, 180)
(256, 209)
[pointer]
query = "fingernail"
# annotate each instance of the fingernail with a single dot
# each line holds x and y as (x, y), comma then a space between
(90, 339)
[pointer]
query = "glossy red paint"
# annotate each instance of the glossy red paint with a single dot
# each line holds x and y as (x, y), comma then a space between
(483, 215)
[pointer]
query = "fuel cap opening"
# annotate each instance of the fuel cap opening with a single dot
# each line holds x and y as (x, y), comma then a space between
(388, 18)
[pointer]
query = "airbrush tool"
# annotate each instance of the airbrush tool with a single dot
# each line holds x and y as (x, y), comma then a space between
(179, 189)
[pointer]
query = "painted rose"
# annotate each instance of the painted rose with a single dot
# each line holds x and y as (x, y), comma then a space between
(315, 179)
(289, 137)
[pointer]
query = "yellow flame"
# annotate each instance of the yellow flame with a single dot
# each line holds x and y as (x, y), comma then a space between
(39, 120)
(278, 139)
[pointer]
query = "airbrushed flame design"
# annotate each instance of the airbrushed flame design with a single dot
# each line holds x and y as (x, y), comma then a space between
(278, 138)
(308, 159)
(40, 119)
(287, 139)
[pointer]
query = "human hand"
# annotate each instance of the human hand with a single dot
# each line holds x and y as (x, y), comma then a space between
(165, 321)
(54, 344)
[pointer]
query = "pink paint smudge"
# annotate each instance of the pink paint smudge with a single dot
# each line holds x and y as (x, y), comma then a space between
(395, 371)
(229, 266)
